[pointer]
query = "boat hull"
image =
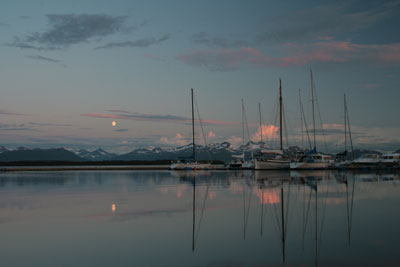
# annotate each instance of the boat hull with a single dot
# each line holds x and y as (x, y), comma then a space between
(272, 165)
(191, 166)
(309, 165)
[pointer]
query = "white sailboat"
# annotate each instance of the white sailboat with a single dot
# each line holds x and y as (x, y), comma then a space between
(274, 159)
(312, 159)
(191, 164)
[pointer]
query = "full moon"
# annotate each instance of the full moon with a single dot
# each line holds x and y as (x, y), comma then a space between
(114, 123)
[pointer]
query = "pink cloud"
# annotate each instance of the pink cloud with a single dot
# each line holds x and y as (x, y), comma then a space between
(371, 85)
(336, 126)
(323, 51)
(267, 131)
(235, 141)
(211, 134)
(177, 141)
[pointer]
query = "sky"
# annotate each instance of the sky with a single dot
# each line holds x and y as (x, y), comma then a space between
(69, 69)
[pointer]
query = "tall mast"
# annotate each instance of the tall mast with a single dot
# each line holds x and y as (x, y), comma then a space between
(348, 126)
(259, 111)
(312, 100)
(194, 146)
(301, 120)
(242, 121)
(345, 123)
(280, 113)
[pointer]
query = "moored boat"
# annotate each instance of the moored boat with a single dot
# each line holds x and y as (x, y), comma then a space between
(274, 159)
(390, 160)
(191, 164)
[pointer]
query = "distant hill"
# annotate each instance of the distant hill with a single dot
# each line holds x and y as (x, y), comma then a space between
(219, 151)
(37, 154)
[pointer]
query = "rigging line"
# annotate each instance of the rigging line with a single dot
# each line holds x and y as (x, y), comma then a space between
(305, 124)
(301, 120)
(243, 137)
(320, 118)
(202, 130)
(348, 125)
(201, 214)
(285, 126)
(261, 130)
(275, 122)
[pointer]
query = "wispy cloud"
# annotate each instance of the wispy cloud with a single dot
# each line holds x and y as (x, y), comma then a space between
(325, 20)
(47, 124)
(69, 29)
(38, 57)
(141, 43)
(126, 115)
(5, 112)
(3, 24)
(15, 127)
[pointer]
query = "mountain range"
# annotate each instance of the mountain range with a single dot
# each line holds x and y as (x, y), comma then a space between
(218, 152)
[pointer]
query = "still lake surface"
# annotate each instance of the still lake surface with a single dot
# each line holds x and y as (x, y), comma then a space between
(220, 218)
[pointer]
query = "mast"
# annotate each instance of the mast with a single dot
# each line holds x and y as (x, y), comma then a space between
(194, 146)
(301, 120)
(345, 123)
(280, 113)
(259, 111)
(312, 100)
(348, 126)
(242, 121)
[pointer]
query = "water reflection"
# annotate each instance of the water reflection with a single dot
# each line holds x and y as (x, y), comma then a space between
(202, 218)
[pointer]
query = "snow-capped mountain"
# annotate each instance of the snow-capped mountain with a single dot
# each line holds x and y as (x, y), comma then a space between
(217, 151)
(95, 155)
(3, 149)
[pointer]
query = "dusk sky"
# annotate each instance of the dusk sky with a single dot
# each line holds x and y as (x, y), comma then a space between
(71, 68)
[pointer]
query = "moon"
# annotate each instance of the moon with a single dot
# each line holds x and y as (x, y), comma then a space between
(114, 123)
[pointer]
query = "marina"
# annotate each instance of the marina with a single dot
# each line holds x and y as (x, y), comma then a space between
(203, 218)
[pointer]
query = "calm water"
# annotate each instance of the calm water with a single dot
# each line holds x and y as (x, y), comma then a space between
(236, 219)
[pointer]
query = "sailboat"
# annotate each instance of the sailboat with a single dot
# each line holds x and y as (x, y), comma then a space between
(312, 159)
(275, 159)
(191, 164)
